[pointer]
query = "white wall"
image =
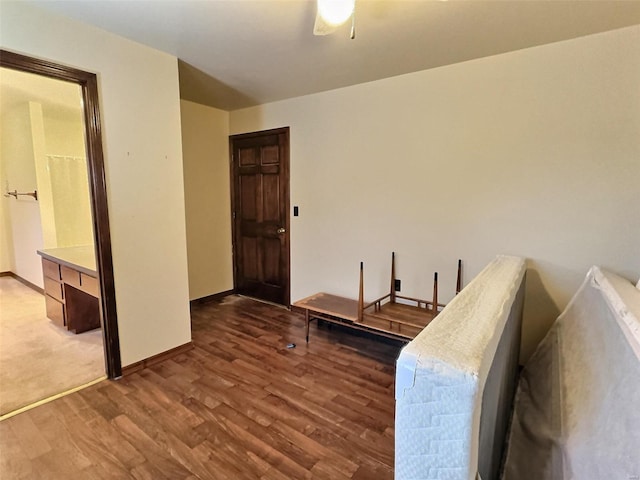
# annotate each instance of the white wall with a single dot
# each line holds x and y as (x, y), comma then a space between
(22, 139)
(205, 149)
(140, 109)
(534, 153)
(64, 131)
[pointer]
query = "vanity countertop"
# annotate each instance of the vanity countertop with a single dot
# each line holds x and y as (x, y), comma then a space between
(82, 258)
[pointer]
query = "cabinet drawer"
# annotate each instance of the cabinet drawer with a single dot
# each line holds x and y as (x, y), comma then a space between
(51, 269)
(55, 311)
(53, 288)
(70, 276)
(90, 285)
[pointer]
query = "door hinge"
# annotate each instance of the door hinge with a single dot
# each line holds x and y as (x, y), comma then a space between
(234, 215)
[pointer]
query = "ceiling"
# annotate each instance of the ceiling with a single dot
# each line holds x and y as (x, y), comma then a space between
(57, 97)
(239, 53)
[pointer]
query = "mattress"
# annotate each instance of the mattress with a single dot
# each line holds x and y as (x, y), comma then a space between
(576, 414)
(441, 376)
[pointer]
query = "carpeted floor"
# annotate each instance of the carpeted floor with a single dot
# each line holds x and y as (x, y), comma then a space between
(38, 359)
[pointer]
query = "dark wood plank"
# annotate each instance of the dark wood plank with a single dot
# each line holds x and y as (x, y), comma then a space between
(239, 405)
(14, 457)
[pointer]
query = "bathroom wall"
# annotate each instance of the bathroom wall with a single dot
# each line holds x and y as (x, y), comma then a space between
(42, 149)
(21, 139)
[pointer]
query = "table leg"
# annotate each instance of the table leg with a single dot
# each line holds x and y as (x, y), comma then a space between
(306, 318)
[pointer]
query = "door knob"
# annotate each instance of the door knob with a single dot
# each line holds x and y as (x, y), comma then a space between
(281, 230)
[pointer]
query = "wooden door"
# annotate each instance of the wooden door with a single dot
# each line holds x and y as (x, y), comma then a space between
(260, 210)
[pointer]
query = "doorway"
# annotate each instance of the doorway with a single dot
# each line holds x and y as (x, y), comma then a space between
(260, 213)
(88, 85)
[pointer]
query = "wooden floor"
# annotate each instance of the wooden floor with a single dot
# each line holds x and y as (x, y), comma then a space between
(240, 405)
